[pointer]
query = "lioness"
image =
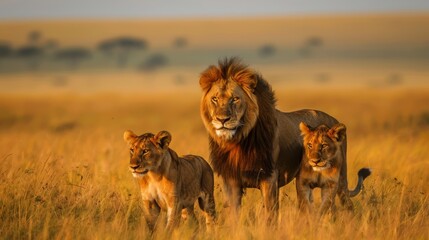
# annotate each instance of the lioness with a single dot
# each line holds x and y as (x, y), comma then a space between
(321, 167)
(169, 182)
(252, 144)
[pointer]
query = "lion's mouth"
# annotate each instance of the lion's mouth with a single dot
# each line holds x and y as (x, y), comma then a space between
(138, 174)
(319, 166)
(226, 133)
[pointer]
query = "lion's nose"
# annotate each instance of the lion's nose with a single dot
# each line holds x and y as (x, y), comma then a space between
(134, 167)
(223, 120)
(315, 160)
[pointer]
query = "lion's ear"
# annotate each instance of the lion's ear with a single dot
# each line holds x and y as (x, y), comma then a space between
(208, 77)
(305, 129)
(247, 79)
(338, 132)
(163, 139)
(130, 137)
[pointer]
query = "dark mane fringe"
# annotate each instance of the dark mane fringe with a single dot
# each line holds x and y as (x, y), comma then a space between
(251, 156)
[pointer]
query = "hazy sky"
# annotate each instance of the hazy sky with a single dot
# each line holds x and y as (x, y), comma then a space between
(47, 9)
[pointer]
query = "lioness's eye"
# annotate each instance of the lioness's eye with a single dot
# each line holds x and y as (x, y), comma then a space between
(235, 99)
(324, 146)
(214, 99)
(131, 151)
(145, 151)
(309, 145)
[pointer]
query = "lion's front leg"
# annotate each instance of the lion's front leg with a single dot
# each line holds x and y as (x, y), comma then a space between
(233, 192)
(150, 212)
(328, 198)
(304, 195)
(270, 193)
(174, 213)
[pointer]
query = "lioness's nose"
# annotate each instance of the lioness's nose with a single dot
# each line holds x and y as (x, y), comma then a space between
(134, 167)
(223, 120)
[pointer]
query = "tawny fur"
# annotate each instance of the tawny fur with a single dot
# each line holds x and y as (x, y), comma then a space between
(252, 144)
(168, 182)
(321, 167)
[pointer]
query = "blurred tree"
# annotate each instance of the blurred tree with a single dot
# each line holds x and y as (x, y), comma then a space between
(267, 50)
(31, 54)
(394, 79)
(180, 42)
(154, 62)
(121, 48)
(5, 50)
(51, 44)
(314, 42)
(310, 45)
(73, 56)
(34, 37)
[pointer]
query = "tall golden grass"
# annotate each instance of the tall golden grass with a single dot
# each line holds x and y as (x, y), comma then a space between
(64, 173)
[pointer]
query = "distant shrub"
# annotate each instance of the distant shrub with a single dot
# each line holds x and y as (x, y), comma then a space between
(121, 48)
(323, 78)
(154, 62)
(34, 37)
(29, 52)
(65, 126)
(5, 50)
(424, 119)
(73, 55)
(310, 45)
(180, 42)
(314, 42)
(267, 50)
(394, 79)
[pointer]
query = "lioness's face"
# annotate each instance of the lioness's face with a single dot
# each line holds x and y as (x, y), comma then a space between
(146, 151)
(227, 108)
(322, 144)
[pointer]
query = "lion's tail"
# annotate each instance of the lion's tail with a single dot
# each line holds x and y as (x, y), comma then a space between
(362, 174)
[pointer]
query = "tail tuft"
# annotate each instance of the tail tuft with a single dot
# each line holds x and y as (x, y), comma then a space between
(364, 172)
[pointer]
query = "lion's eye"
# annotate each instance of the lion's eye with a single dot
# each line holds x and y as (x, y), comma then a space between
(235, 99)
(324, 146)
(131, 151)
(309, 145)
(214, 99)
(144, 151)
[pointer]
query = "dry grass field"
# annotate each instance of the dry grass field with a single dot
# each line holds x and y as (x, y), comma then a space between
(64, 172)
(64, 164)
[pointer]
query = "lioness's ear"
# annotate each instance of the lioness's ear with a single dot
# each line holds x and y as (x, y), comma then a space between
(129, 137)
(338, 132)
(305, 129)
(163, 139)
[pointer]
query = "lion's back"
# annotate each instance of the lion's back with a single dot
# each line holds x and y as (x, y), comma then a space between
(196, 170)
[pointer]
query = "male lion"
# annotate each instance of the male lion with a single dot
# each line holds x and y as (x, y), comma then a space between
(169, 182)
(252, 144)
(320, 167)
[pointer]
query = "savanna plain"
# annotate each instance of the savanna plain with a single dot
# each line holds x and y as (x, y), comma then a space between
(64, 164)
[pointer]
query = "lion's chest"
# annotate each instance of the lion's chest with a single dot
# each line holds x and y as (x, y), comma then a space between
(166, 193)
(320, 179)
(161, 192)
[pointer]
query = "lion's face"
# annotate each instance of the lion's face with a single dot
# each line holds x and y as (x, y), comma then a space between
(146, 151)
(322, 144)
(229, 108)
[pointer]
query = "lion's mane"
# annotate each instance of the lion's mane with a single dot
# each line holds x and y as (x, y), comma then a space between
(250, 153)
